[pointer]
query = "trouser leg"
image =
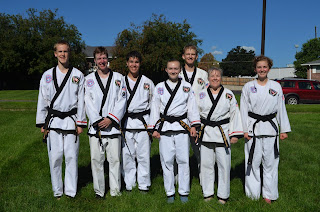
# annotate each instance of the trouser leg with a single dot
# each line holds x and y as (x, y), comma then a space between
(128, 160)
(143, 159)
(71, 152)
(113, 156)
(207, 167)
(224, 165)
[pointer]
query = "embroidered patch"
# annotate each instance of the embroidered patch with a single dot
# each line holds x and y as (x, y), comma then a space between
(160, 91)
(229, 96)
(272, 92)
(118, 83)
(124, 88)
(237, 104)
(186, 89)
(202, 95)
(48, 78)
(200, 81)
(283, 97)
(123, 94)
(253, 89)
(146, 86)
(90, 82)
(75, 79)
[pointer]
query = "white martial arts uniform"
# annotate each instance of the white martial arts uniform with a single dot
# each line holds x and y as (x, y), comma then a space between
(136, 134)
(62, 138)
(263, 100)
(213, 148)
(174, 141)
(114, 109)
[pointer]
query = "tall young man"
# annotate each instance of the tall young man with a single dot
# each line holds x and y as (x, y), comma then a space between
(61, 117)
(105, 98)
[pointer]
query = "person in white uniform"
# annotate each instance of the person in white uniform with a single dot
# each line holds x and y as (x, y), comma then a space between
(136, 119)
(198, 79)
(173, 110)
(105, 100)
(61, 117)
(220, 126)
(263, 110)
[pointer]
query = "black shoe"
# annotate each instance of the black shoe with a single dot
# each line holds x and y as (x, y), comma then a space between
(99, 197)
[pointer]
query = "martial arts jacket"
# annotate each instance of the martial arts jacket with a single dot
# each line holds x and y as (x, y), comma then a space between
(199, 79)
(140, 102)
(114, 106)
(226, 108)
(263, 100)
(70, 98)
(183, 103)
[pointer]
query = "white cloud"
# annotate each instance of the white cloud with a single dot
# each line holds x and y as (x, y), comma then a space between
(213, 47)
(248, 48)
(217, 52)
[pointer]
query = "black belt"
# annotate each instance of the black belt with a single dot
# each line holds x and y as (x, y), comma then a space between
(263, 119)
(172, 119)
(218, 124)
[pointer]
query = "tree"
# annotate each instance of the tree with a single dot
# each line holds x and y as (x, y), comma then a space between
(26, 46)
(310, 51)
(238, 62)
(208, 61)
(158, 40)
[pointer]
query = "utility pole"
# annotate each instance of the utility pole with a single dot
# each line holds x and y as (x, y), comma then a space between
(263, 27)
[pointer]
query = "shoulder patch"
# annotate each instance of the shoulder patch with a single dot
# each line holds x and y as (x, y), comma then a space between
(272, 92)
(146, 86)
(118, 83)
(202, 95)
(229, 96)
(75, 79)
(253, 89)
(48, 78)
(90, 82)
(200, 81)
(160, 91)
(186, 89)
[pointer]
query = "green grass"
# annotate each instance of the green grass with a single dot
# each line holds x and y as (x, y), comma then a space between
(25, 183)
(29, 95)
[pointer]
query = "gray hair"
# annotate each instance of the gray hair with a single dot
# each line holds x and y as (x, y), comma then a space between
(215, 69)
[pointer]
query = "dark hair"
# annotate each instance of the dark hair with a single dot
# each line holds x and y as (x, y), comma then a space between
(134, 54)
(262, 58)
(100, 50)
(61, 42)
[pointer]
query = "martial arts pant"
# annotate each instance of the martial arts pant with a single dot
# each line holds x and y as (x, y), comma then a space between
(139, 144)
(263, 153)
(175, 146)
(210, 154)
(111, 147)
(59, 144)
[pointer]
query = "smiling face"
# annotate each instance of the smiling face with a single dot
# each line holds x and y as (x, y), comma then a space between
(133, 65)
(215, 79)
(173, 69)
(101, 60)
(62, 53)
(262, 69)
(190, 56)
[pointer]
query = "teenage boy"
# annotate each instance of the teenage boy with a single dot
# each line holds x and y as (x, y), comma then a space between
(105, 98)
(61, 117)
(198, 79)
(173, 110)
(139, 93)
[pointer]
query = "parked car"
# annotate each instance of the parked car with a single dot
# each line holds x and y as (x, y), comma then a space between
(300, 90)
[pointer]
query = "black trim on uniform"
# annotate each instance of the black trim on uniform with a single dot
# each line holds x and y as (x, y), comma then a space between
(186, 76)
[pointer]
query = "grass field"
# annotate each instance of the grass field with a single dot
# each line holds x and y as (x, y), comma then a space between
(25, 177)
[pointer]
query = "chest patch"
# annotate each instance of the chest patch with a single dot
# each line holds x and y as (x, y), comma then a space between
(146, 86)
(90, 82)
(229, 96)
(117, 82)
(160, 91)
(272, 92)
(76, 79)
(253, 89)
(186, 89)
(200, 81)
(202, 95)
(48, 78)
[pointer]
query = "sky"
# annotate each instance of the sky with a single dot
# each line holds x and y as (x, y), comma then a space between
(222, 25)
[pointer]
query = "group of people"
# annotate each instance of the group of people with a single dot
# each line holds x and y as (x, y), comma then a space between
(126, 112)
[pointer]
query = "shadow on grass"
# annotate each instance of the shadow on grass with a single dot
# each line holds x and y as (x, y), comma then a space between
(238, 172)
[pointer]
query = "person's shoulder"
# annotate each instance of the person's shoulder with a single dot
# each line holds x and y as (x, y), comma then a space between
(117, 74)
(203, 72)
(76, 71)
(185, 83)
(90, 76)
(146, 79)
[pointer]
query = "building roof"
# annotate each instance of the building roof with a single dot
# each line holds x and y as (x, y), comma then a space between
(313, 63)
(88, 51)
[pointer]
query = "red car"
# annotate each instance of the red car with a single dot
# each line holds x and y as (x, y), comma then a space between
(300, 90)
